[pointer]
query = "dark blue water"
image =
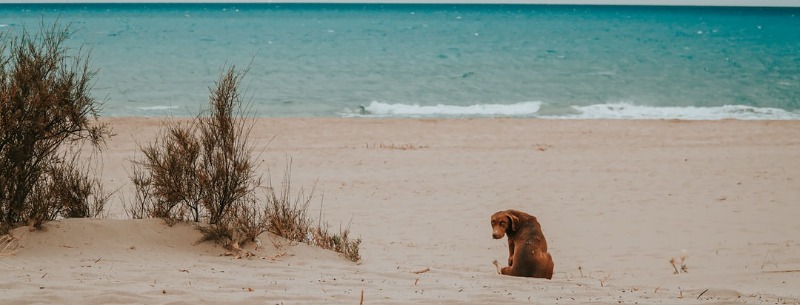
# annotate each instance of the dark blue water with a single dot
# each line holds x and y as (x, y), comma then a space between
(440, 60)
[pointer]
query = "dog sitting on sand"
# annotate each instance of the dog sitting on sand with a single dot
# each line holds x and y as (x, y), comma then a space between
(527, 247)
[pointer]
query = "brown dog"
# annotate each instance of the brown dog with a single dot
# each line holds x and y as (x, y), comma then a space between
(527, 247)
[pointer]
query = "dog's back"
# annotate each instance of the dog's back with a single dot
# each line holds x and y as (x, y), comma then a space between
(528, 254)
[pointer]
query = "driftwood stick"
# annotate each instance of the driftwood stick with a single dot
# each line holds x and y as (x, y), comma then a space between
(782, 271)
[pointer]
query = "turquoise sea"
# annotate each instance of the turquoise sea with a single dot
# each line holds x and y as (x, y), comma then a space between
(439, 60)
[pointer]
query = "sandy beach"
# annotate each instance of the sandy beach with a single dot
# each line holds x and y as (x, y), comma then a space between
(616, 199)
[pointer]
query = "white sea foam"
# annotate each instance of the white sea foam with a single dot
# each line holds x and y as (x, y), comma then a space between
(380, 109)
(630, 111)
(597, 111)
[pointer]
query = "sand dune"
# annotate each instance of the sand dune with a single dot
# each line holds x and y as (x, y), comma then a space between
(616, 199)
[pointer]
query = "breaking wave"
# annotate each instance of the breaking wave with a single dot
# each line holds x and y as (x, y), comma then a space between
(596, 111)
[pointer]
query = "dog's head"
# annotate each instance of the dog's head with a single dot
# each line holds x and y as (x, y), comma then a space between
(503, 222)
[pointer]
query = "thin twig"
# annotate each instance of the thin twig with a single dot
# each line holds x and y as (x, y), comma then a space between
(497, 265)
(603, 281)
(426, 269)
(763, 263)
(672, 262)
(701, 294)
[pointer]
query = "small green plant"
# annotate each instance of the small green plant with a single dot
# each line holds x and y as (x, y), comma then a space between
(46, 116)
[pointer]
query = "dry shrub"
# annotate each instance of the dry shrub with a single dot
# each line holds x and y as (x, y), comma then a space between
(46, 115)
(166, 180)
(227, 175)
(244, 223)
(202, 171)
(66, 190)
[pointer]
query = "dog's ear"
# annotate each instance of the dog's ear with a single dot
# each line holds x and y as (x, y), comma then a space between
(514, 221)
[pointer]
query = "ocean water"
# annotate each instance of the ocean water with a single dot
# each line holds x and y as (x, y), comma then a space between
(444, 60)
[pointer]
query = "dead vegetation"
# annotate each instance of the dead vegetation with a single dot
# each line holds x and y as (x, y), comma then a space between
(683, 267)
(288, 218)
(392, 146)
(47, 115)
(9, 245)
(202, 171)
